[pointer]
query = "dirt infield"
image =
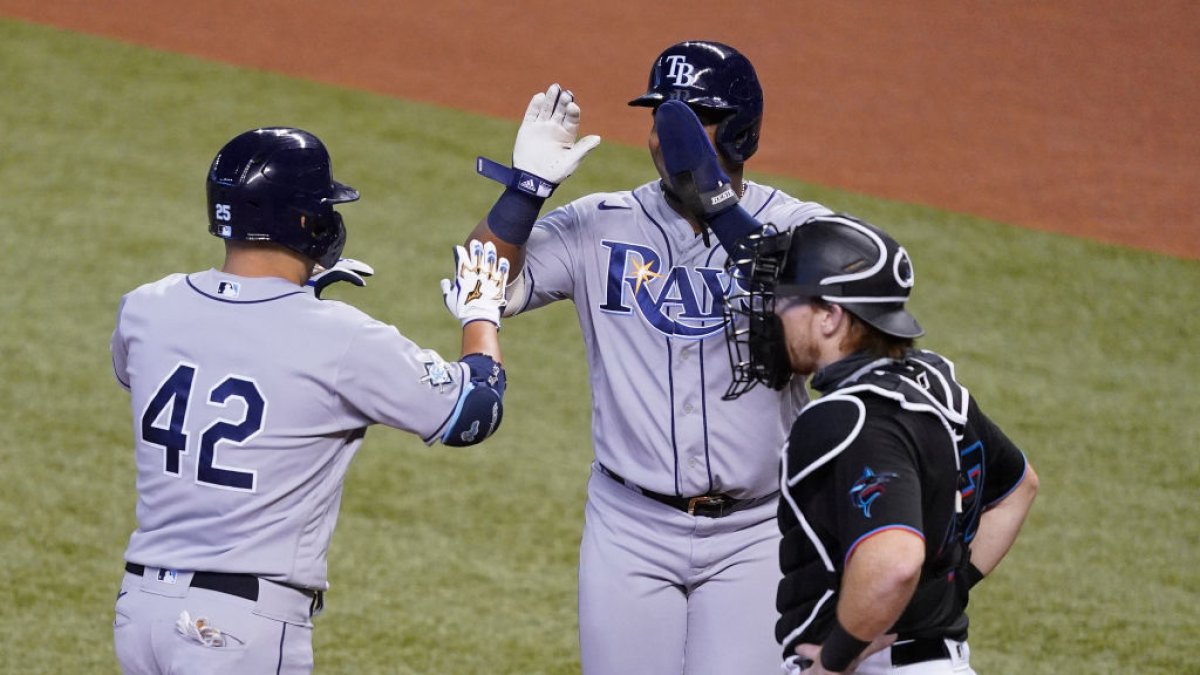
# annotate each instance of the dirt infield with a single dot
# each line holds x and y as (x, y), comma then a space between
(1076, 116)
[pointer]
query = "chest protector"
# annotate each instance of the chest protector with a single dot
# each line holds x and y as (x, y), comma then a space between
(921, 383)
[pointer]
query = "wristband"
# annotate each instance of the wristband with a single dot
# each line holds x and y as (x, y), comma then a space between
(972, 575)
(514, 178)
(840, 649)
(513, 215)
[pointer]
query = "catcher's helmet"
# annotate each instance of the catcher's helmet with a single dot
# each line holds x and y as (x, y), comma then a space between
(710, 76)
(276, 184)
(848, 262)
(836, 258)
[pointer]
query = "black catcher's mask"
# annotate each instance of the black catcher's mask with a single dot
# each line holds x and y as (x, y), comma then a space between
(757, 352)
(837, 259)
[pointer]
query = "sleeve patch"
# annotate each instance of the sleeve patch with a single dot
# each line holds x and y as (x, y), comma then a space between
(869, 487)
(438, 374)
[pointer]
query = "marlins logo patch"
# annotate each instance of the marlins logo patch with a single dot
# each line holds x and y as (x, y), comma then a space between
(869, 487)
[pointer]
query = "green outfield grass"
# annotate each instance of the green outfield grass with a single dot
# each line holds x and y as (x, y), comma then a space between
(463, 560)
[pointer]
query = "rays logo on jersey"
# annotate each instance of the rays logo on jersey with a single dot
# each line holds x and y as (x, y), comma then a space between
(869, 487)
(679, 302)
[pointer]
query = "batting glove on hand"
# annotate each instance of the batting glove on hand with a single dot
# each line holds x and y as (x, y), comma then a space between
(345, 269)
(546, 151)
(477, 292)
(694, 175)
(546, 145)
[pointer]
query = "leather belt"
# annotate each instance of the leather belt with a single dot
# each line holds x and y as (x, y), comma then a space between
(709, 506)
(919, 651)
(241, 585)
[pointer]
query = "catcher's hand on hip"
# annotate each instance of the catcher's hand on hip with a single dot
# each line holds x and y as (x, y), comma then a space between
(477, 290)
(546, 143)
(345, 269)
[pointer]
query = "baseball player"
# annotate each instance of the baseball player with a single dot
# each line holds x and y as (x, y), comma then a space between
(678, 561)
(250, 396)
(899, 494)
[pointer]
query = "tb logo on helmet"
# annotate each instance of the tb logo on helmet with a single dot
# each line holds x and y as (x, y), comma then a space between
(680, 71)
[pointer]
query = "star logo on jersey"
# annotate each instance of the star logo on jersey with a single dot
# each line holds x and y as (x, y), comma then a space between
(682, 301)
(869, 487)
(643, 274)
(438, 374)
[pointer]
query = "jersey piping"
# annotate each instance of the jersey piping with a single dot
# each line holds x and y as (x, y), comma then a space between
(188, 279)
(670, 253)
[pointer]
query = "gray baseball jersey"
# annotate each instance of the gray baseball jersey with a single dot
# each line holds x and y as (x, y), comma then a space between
(250, 397)
(648, 295)
(657, 585)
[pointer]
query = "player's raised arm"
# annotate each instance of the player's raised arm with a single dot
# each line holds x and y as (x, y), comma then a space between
(545, 154)
(475, 297)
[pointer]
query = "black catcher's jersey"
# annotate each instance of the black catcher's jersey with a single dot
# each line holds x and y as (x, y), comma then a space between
(891, 445)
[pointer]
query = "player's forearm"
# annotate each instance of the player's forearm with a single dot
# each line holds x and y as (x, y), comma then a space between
(481, 337)
(999, 525)
(514, 252)
(879, 582)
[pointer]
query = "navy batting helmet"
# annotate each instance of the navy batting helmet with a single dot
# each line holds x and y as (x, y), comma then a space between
(710, 76)
(276, 184)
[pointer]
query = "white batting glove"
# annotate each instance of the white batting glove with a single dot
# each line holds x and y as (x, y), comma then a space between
(345, 269)
(477, 292)
(546, 145)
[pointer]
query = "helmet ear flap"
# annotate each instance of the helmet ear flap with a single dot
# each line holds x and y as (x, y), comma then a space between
(736, 138)
(729, 144)
(329, 235)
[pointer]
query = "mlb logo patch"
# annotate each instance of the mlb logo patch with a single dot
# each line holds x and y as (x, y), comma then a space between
(229, 289)
(225, 231)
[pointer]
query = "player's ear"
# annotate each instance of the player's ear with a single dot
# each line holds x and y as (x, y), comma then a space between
(833, 317)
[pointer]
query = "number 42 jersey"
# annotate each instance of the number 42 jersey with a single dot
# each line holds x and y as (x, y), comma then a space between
(250, 397)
